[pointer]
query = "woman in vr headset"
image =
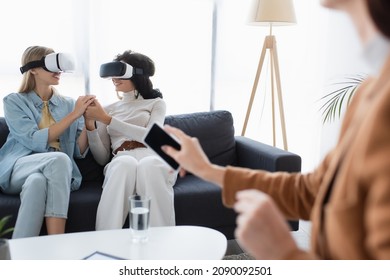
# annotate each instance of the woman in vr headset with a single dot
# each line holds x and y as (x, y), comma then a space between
(119, 131)
(46, 132)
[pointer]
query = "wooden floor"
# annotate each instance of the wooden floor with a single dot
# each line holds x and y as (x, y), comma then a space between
(301, 236)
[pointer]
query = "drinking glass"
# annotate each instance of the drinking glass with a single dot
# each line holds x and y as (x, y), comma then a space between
(139, 216)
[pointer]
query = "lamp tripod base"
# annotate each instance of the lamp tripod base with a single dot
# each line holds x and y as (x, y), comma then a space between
(270, 45)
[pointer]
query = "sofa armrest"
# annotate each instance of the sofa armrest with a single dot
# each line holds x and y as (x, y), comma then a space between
(257, 155)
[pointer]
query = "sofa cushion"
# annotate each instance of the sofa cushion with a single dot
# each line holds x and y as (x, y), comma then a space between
(214, 130)
(83, 206)
(198, 202)
(4, 131)
(89, 168)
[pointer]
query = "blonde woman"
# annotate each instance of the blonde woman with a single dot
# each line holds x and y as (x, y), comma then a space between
(46, 133)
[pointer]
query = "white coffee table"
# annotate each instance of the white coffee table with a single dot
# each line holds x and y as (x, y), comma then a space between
(169, 243)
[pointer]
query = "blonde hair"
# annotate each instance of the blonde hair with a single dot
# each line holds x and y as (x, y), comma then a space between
(31, 54)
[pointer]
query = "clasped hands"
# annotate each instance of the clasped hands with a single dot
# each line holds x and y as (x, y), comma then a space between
(89, 107)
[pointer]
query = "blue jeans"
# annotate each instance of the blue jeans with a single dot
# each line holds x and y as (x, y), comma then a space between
(43, 181)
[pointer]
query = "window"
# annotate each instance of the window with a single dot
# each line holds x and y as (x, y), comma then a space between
(176, 34)
(27, 23)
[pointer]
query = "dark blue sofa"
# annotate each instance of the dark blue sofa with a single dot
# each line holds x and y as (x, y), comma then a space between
(196, 202)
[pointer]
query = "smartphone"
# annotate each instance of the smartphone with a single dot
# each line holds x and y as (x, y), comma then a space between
(157, 137)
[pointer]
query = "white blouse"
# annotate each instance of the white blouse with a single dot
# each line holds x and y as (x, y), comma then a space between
(131, 118)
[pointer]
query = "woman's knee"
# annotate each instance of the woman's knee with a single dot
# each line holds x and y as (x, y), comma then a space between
(151, 163)
(35, 186)
(61, 161)
(153, 166)
(152, 171)
(123, 164)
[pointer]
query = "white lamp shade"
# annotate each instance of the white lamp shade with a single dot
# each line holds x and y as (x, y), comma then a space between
(275, 12)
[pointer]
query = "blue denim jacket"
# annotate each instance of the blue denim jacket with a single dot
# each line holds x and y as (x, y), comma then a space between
(22, 113)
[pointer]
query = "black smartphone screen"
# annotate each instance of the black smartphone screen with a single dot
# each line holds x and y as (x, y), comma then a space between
(156, 138)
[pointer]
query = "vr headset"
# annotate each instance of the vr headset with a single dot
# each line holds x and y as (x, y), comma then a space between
(54, 62)
(119, 70)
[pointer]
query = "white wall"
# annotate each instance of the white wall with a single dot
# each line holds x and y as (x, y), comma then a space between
(343, 59)
(176, 34)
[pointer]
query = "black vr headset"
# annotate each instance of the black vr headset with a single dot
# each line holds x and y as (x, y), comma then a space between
(54, 62)
(119, 70)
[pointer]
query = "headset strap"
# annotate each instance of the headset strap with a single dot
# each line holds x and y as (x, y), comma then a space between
(138, 71)
(31, 65)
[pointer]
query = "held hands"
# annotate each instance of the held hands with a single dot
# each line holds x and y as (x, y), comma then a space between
(261, 228)
(82, 103)
(95, 112)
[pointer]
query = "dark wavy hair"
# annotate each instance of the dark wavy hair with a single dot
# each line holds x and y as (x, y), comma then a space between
(142, 83)
(380, 13)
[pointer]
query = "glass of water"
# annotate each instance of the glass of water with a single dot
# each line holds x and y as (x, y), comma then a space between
(139, 216)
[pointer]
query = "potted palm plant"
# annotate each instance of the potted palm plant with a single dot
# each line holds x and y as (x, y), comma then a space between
(4, 246)
(334, 102)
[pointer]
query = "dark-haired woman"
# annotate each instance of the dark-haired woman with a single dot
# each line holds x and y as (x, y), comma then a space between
(347, 197)
(120, 128)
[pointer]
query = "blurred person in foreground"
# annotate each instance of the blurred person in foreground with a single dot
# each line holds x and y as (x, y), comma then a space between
(347, 197)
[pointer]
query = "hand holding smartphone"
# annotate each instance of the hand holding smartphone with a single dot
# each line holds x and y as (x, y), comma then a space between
(157, 137)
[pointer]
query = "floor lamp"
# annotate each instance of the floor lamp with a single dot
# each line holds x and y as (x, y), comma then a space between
(271, 13)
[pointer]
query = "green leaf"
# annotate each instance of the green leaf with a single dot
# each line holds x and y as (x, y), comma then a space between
(335, 100)
(3, 222)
